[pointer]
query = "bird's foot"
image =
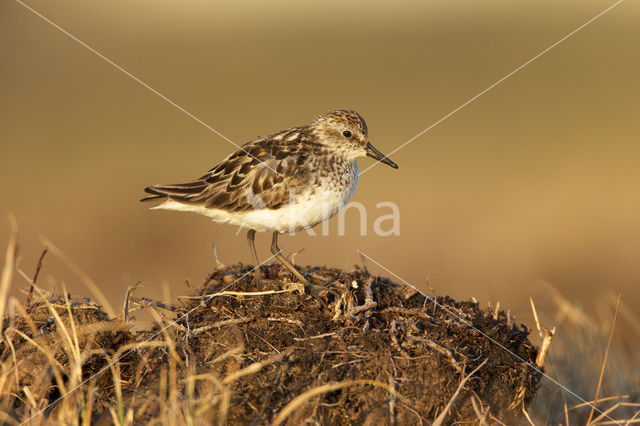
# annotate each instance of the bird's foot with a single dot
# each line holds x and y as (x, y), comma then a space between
(264, 284)
(313, 284)
(258, 280)
(316, 290)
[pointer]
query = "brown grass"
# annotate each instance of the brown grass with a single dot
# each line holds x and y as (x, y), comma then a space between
(381, 354)
(582, 348)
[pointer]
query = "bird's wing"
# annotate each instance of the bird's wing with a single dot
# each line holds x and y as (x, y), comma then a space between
(263, 174)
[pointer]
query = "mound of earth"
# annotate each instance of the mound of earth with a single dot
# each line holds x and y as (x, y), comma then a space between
(364, 351)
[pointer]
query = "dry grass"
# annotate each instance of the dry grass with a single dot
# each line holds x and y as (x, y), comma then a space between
(592, 358)
(382, 354)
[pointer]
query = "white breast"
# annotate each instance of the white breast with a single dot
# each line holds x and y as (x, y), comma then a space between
(312, 206)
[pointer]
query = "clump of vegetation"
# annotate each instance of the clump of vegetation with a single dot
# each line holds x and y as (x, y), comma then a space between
(377, 353)
(364, 351)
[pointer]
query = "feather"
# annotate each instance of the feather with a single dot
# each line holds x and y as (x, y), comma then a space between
(263, 174)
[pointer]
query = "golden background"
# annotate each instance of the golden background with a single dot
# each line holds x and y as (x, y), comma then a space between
(535, 182)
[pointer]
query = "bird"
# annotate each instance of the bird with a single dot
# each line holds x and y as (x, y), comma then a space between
(286, 181)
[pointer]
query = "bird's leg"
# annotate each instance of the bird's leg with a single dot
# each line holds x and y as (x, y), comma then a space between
(313, 289)
(251, 235)
(275, 250)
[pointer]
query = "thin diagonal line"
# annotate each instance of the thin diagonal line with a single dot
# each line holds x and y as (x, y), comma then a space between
(468, 323)
(138, 346)
(498, 82)
(142, 83)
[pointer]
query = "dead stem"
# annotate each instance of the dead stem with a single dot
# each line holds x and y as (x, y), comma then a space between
(34, 280)
(438, 421)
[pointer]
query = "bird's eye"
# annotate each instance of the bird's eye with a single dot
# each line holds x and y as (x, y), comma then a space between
(346, 134)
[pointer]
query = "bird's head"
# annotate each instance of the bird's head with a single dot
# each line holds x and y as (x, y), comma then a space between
(345, 131)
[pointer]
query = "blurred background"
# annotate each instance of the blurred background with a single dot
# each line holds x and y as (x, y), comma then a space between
(534, 185)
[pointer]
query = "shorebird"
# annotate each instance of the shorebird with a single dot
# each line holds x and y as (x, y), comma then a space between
(287, 181)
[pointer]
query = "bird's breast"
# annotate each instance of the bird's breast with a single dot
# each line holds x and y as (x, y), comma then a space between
(328, 193)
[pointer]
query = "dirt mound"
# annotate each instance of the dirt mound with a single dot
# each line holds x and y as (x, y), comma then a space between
(377, 353)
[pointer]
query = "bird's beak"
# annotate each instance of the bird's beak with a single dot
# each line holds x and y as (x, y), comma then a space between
(377, 155)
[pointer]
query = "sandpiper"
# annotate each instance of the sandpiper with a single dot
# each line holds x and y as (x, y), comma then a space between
(287, 181)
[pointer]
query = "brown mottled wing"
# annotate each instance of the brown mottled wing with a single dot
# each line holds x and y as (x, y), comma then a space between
(265, 174)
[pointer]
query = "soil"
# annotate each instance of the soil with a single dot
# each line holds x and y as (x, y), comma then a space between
(363, 351)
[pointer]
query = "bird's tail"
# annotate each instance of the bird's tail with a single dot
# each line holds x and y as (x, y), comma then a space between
(179, 191)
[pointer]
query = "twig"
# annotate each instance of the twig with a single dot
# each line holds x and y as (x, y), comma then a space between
(238, 293)
(369, 303)
(337, 307)
(366, 306)
(218, 324)
(264, 340)
(127, 297)
(329, 387)
(481, 415)
(605, 413)
(535, 317)
(526, 415)
(604, 362)
(316, 276)
(632, 419)
(589, 403)
(287, 320)
(354, 361)
(409, 292)
(30, 397)
(319, 336)
(34, 280)
(233, 352)
(441, 349)
(545, 334)
(438, 421)
(147, 302)
(546, 343)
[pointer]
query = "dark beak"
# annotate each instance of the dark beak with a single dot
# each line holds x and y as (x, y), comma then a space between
(377, 155)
